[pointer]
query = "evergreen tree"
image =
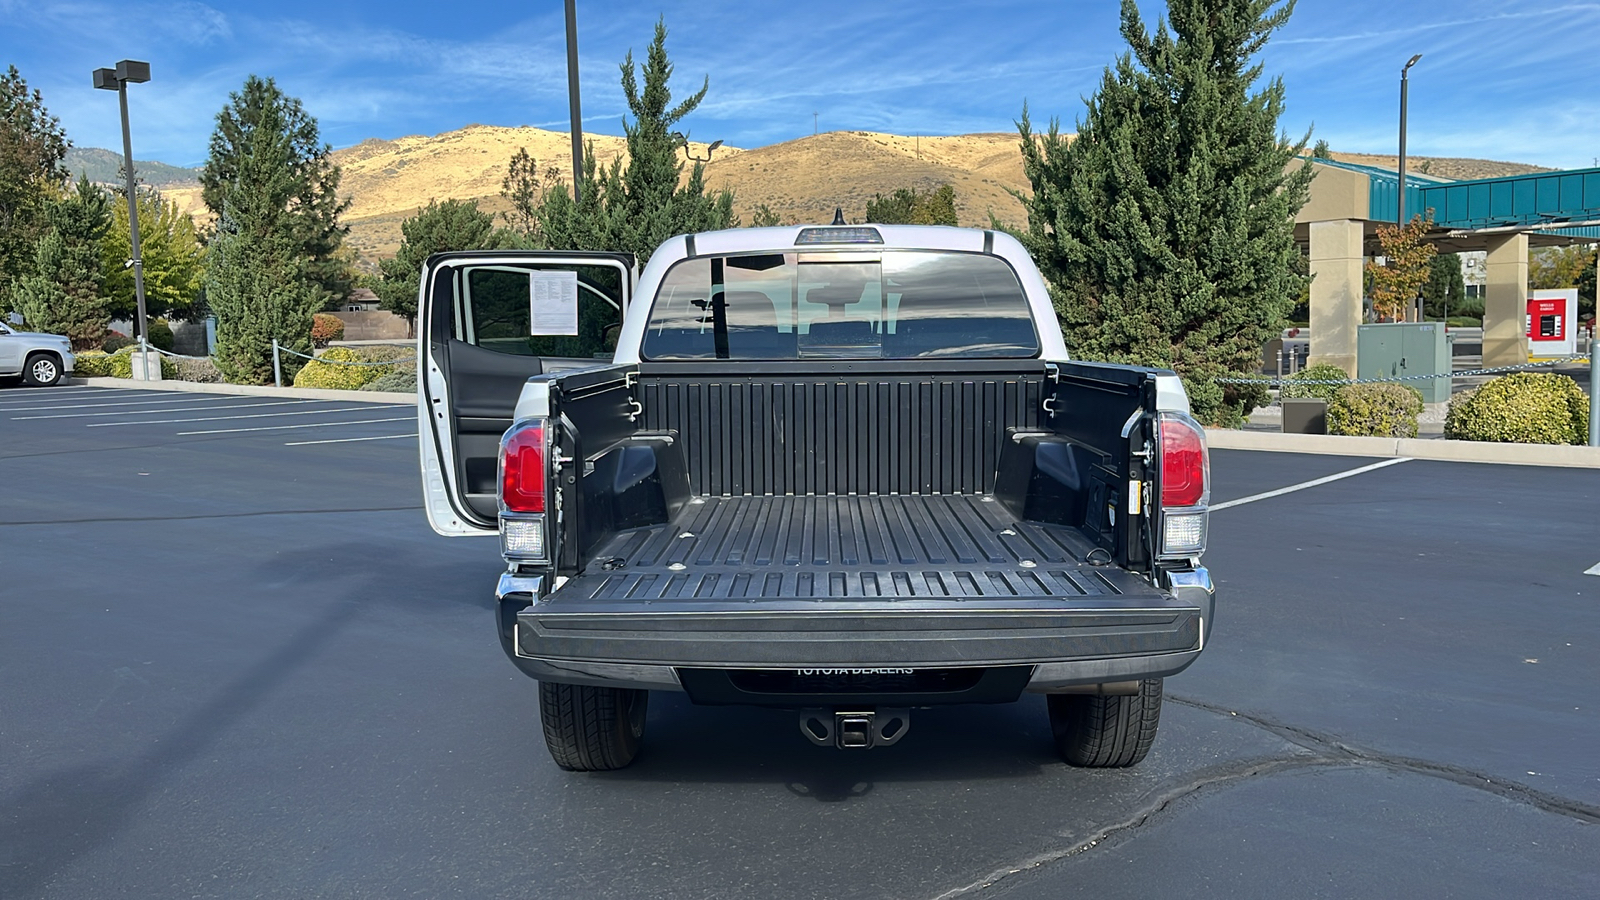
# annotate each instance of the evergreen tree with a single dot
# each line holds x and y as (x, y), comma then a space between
(174, 263)
(32, 147)
(634, 209)
(437, 228)
(1586, 283)
(266, 147)
(764, 217)
(1165, 229)
(1446, 290)
(908, 206)
(62, 294)
(257, 286)
(521, 189)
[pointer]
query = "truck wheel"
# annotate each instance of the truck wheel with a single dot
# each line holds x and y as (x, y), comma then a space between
(1106, 732)
(591, 729)
(41, 370)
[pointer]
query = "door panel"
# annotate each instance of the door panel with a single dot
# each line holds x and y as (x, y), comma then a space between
(486, 329)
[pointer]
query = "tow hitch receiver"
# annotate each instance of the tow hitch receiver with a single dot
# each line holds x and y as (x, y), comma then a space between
(854, 729)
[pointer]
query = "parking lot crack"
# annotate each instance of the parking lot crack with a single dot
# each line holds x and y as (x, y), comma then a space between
(1212, 778)
(1333, 749)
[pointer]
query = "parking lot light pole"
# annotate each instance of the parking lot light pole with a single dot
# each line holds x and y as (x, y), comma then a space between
(130, 71)
(572, 99)
(1400, 199)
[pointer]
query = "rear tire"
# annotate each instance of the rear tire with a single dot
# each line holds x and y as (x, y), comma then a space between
(41, 370)
(1106, 732)
(592, 729)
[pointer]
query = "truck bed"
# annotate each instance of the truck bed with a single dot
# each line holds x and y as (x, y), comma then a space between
(918, 581)
(849, 548)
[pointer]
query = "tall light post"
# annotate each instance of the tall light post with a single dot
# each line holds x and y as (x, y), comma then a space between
(1400, 200)
(130, 72)
(572, 94)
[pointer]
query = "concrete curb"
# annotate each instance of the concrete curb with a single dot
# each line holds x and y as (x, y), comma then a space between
(249, 390)
(1414, 448)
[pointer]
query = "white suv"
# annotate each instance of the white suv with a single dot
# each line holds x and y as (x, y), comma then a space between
(41, 359)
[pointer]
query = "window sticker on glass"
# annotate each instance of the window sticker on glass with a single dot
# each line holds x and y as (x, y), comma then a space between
(555, 302)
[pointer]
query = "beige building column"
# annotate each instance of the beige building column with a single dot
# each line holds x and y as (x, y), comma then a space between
(1505, 301)
(1336, 291)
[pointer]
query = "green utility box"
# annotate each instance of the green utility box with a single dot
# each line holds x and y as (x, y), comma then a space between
(1396, 349)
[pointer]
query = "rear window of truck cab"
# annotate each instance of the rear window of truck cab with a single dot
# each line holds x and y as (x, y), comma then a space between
(891, 304)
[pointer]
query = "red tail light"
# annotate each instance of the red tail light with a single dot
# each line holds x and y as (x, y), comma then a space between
(524, 456)
(1183, 462)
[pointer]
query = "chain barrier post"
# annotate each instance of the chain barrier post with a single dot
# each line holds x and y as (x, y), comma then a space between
(277, 366)
(1594, 391)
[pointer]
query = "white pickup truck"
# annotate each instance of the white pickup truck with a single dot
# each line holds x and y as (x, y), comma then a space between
(847, 471)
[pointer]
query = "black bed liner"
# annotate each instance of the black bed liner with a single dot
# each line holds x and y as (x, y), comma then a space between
(851, 548)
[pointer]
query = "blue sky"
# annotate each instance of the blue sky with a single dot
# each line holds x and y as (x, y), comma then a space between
(1498, 80)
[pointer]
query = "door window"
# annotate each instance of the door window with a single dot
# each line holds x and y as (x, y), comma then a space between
(495, 309)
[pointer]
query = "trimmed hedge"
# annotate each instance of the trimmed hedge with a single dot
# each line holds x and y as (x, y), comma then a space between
(324, 371)
(203, 370)
(1375, 410)
(1292, 389)
(92, 364)
(402, 382)
(1522, 408)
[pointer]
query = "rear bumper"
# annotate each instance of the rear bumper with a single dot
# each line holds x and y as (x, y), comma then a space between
(644, 645)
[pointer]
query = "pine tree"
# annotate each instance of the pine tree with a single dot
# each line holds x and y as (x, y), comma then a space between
(521, 189)
(634, 209)
(174, 263)
(257, 286)
(1446, 290)
(1165, 229)
(62, 294)
(32, 147)
(266, 148)
(437, 228)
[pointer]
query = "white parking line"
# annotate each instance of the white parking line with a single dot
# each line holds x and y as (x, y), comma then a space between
(310, 425)
(115, 401)
(52, 396)
(142, 412)
(303, 412)
(1312, 483)
(386, 437)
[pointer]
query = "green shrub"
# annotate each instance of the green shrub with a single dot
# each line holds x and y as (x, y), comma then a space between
(326, 327)
(92, 364)
(1464, 322)
(1375, 410)
(403, 382)
(202, 370)
(1295, 388)
(324, 371)
(1523, 408)
(116, 340)
(387, 352)
(160, 334)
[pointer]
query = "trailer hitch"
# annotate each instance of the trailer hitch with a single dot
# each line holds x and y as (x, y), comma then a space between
(854, 729)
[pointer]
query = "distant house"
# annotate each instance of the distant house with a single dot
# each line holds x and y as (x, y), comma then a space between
(360, 300)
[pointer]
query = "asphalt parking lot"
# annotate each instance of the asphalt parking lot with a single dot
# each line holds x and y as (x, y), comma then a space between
(236, 663)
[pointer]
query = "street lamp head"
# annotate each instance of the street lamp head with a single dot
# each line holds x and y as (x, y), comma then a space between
(106, 79)
(1412, 61)
(133, 71)
(714, 146)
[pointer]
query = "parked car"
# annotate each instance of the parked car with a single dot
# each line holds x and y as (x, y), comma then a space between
(41, 359)
(845, 471)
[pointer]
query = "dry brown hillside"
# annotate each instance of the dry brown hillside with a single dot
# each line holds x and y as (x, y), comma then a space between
(801, 180)
(1443, 166)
